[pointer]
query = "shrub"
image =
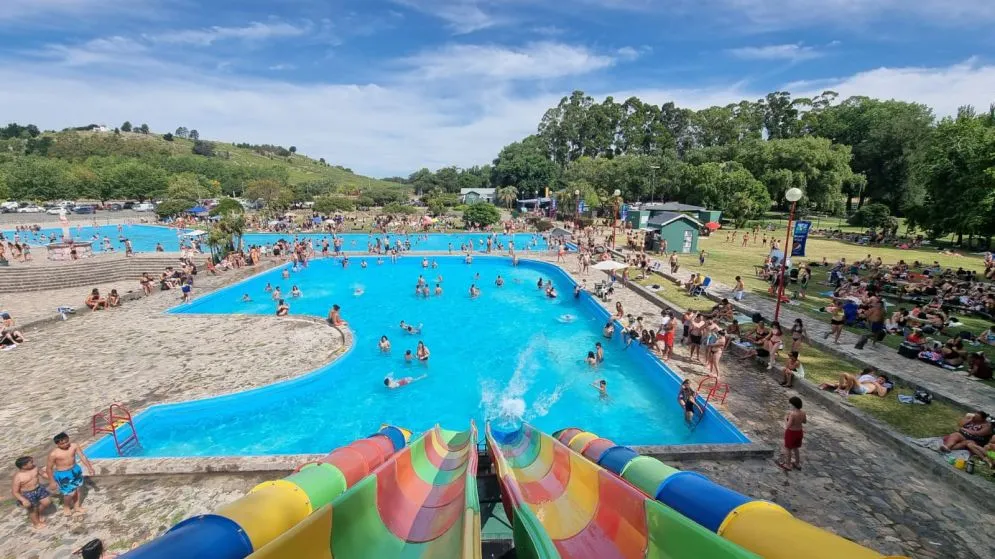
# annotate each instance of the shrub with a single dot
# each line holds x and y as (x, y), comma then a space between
(544, 225)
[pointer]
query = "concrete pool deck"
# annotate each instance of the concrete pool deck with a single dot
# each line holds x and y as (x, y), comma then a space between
(851, 484)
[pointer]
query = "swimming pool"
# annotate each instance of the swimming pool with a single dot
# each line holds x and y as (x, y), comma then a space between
(145, 237)
(510, 355)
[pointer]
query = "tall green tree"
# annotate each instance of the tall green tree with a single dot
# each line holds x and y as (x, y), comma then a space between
(956, 170)
(525, 166)
(883, 136)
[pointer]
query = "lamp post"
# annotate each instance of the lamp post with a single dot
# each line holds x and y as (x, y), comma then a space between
(576, 205)
(616, 204)
(653, 169)
(793, 195)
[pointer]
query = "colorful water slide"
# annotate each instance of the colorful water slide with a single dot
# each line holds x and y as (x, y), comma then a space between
(759, 526)
(562, 505)
(421, 503)
(274, 507)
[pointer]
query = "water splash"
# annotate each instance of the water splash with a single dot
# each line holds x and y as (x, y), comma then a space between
(507, 407)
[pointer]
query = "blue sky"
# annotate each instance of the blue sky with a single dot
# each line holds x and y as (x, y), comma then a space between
(389, 86)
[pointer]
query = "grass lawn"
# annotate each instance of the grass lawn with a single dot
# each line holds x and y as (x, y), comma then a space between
(938, 418)
(724, 261)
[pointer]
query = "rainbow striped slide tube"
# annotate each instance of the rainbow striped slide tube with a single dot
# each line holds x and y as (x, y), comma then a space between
(421, 503)
(274, 507)
(758, 526)
(562, 505)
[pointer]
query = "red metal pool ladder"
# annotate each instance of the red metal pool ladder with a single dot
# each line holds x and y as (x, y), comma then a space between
(110, 421)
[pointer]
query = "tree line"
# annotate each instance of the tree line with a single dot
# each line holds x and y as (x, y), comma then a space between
(741, 158)
(81, 164)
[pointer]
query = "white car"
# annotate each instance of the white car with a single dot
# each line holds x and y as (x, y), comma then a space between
(32, 209)
(53, 211)
(144, 207)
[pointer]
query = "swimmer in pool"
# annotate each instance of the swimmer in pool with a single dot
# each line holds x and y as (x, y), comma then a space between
(268, 288)
(390, 383)
(551, 292)
(438, 290)
(410, 329)
(566, 318)
(422, 352)
(246, 298)
(474, 292)
(686, 398)
(362, 264)
(295, 292)
(408, 357)
(384, 344)
(286, 274)
(591, 359)
(599, 352)
(602, 387)
(358, 292)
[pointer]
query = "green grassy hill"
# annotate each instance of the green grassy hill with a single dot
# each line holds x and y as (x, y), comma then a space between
(300, 167)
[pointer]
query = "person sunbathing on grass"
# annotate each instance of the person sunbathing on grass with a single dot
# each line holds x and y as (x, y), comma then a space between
(869, 382)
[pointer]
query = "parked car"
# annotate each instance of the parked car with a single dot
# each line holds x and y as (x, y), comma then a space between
(129, 205)
(114, 207)
(85, 209)
(54, 211)
(144, 207)
(30, 209)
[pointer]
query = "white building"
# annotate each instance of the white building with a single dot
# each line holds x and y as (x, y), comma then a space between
(474, 195)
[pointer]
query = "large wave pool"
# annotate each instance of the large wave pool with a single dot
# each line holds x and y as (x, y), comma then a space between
(144, 238)
(512, 354)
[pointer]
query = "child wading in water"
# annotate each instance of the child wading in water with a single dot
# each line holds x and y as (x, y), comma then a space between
(793, 433)
(28, 490)
(67, 475)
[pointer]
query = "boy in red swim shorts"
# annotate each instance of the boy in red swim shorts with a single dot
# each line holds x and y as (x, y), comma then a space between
(793, 434)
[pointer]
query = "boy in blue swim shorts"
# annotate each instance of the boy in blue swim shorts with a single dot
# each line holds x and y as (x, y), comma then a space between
(29, 491)
(67, 475)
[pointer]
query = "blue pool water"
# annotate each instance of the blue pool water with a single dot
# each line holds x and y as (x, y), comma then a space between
(144, 238)
(507, 356)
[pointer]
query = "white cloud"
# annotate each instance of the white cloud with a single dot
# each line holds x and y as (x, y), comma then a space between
(944, 89)
(794, 52)
(462, 16)
(281, 67)
(534, 61)
(29, 9)
(397, 127)
(108, 50)
(781, 14)
(255, 31)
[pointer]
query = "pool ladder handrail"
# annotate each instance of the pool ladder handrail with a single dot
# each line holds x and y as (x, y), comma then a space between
(715, 387)
(117, 415)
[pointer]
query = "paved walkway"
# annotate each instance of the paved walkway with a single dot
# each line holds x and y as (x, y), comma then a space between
(954, 385)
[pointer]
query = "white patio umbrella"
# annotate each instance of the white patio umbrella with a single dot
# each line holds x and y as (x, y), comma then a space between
(609, 265)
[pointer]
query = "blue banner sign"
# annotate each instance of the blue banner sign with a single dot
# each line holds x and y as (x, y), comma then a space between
(799, 237)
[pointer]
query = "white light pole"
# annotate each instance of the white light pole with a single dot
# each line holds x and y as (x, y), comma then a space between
(616, 204)
(793, 195)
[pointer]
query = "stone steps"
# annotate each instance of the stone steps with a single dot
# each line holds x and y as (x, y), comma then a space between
(80, 274)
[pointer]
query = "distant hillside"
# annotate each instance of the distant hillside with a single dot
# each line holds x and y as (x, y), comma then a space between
(301, 168)
(93, 162)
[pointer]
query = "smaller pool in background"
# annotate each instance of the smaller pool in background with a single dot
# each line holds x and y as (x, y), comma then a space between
(144, 238)
(512, 354)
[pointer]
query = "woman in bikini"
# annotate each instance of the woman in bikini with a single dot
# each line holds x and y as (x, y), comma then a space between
(773, 344)
(422, 352)
(974, 428)
(715, 347)
(836, 323)
(798, 334)
(619, 311)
